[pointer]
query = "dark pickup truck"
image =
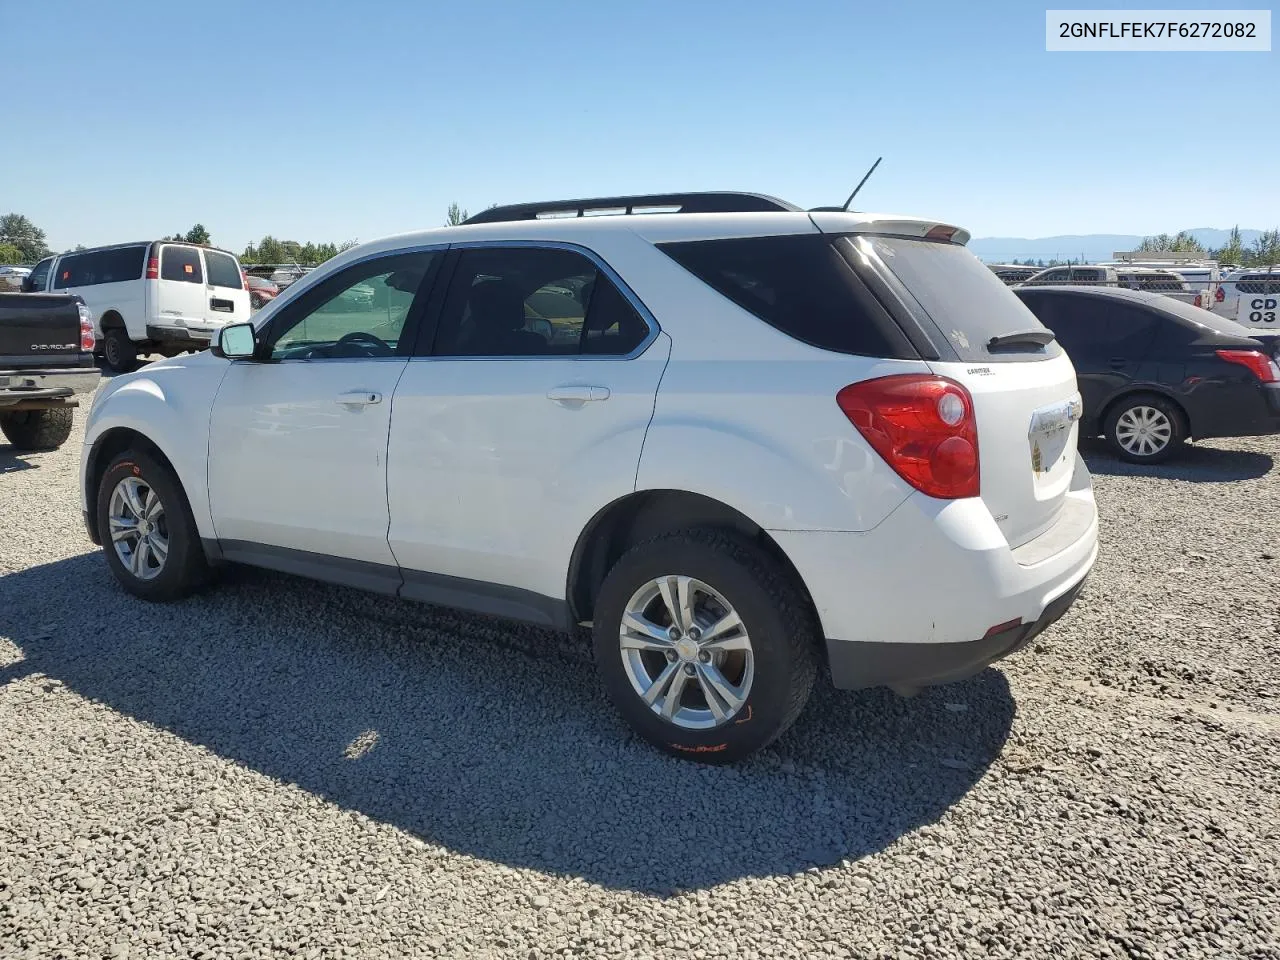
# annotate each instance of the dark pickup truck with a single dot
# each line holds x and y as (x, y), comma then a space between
(46, 365)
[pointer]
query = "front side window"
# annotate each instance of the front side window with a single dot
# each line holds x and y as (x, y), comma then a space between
(182, 264)
(223, 270)
(532, 302)
(358, 313)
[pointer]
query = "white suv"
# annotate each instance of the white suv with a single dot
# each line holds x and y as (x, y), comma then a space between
(733, 437)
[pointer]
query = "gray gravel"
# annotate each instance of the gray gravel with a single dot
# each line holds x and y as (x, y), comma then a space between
(278, 767)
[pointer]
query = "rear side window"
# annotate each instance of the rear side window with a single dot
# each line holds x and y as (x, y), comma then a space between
(1096, 327)
(802, 286)
(1259, 283)
(532, 302)
(223, 270)
(181, 263)
(100, 266)
(966, 301)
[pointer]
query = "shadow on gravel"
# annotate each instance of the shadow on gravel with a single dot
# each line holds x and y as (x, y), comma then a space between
(11, 461)
(492, 739)
(1193, 463)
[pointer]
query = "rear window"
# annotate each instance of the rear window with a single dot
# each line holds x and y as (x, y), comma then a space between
(223, 270)
(802, 286)
(1259, 283)
(966, 301)
(181, 263)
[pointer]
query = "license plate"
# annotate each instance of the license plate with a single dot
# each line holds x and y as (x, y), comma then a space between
(1048, 433)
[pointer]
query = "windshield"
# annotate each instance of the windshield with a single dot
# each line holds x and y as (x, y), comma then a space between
(968, 303)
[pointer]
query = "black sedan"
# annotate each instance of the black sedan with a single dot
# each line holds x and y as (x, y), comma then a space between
(1155, 372)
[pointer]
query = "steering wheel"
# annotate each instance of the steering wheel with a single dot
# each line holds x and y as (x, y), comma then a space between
(365, 339)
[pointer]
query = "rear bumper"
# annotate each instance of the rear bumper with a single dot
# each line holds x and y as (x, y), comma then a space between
(1250, 411)
(46, 387)
(902, 604)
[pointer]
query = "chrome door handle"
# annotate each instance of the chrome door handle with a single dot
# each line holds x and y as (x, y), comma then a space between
(359, 398)
(574, 393)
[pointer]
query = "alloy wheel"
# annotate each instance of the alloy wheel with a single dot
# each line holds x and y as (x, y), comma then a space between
(139, 529)
(686, 652)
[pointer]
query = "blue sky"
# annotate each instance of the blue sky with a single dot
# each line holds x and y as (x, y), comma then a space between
(335, 121)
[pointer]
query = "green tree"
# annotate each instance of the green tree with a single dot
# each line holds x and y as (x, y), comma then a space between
(1265, 250)
(1181, 242)
(25, 235)
(9, 253)
(1232, 251)
(455, 216)
(198, 234)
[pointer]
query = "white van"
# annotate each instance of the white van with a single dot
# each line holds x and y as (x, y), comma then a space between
(149, 297)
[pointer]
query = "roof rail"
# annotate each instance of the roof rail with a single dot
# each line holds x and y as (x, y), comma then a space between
(717, 202)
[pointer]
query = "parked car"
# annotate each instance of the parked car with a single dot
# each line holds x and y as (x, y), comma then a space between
(1012, 273)
(1251, 297)
(1155, 372)
(1073, 274)
(1157, 280)
(11, 277)
(149, 297)
(46, 365)
(261, 291)
(748, 452)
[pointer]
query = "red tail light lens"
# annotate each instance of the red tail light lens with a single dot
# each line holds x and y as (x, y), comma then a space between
(1219, 294)
(153, 268)
(923, 426)
(86, 330)
(244, 279)
(1259, 364)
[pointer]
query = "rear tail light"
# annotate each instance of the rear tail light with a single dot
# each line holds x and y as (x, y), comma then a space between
(244, 279)
(86, 329)
(1259, 364)
(1219, 295)
(923, 426)
(153, 268)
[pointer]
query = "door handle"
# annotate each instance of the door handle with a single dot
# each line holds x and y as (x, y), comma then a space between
(574, 393)
(359, 398)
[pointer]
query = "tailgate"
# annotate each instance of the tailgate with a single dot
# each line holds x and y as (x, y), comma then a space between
(1028, 423)
(35, 327)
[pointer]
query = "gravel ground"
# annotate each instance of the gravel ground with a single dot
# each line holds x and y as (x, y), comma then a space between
(278, 767)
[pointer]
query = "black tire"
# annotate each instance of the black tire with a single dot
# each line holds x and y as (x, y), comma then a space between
(37, 429)
(185, 569)
(1167, 424)
(779, 621)
(119, 352)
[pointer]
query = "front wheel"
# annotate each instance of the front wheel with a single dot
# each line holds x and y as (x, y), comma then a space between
(1144, 429)
(704, 645)
(148, 533)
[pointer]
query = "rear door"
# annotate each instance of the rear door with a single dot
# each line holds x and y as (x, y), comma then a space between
(228, 300)
(181, 297)
(1025, 396)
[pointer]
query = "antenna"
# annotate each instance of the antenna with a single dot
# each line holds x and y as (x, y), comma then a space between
(861, 182)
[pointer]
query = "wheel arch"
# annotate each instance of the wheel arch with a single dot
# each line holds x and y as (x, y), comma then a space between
(111, 320)
(645, 514)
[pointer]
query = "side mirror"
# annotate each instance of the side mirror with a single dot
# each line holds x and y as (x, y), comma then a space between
(27, 285)
(236, 341)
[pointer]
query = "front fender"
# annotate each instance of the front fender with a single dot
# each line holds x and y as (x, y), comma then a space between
(168, 404)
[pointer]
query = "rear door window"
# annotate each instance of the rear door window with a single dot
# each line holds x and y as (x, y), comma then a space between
(966, 301)
(1093, 328)
(803, 286)
(223, 270)
(181, 263)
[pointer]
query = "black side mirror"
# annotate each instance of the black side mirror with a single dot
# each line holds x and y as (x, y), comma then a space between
(27, 285)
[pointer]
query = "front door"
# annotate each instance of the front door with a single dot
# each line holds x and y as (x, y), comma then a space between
(525, 418)
(298, 440)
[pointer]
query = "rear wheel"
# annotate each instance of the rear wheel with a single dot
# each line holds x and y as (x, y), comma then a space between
(37, 429)
(119, 352)
(1145, 428)
(704, 645)
(148, 534)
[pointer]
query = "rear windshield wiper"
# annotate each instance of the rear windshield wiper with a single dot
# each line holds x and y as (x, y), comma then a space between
(1022, 338)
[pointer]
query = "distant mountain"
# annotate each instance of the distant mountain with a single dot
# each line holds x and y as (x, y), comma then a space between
(1089, 246)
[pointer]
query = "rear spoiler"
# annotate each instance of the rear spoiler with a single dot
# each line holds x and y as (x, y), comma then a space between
(899, 226)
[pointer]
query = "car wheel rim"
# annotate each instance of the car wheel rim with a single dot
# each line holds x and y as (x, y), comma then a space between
(138, 527)
(1143, 431)
(686, 652)
(113, 351)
